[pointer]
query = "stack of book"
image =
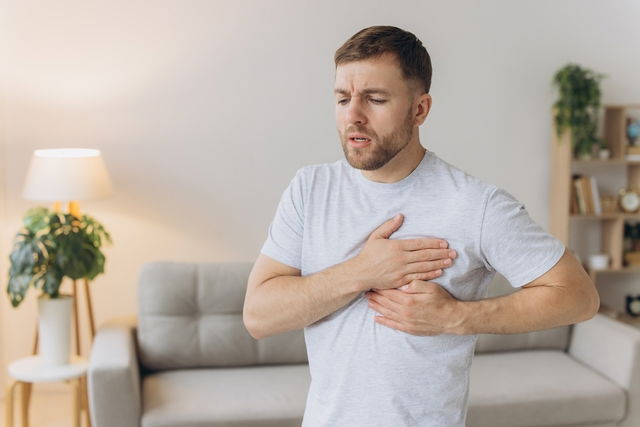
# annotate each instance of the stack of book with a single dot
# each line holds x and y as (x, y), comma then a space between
(585, 198)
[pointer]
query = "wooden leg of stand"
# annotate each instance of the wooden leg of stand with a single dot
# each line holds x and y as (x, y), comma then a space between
(87, 295)
(85, 401)
(76, 402)
(8, 403)
(75, 317)
(35, 342)
(25, 397)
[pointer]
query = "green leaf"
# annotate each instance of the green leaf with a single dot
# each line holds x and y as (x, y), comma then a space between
(36, 219)
(17, 288)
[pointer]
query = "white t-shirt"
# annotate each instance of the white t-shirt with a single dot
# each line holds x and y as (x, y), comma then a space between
(364, 374)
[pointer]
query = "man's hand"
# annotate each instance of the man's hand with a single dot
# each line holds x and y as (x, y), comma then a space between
(388, 264)
(421, 308)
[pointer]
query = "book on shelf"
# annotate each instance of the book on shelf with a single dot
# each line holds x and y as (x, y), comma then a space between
(597, 206)
(585, 197)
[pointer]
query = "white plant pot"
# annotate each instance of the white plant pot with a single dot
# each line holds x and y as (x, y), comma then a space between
(54, 329)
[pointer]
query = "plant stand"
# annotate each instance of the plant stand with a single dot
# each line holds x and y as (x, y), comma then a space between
(31, 370)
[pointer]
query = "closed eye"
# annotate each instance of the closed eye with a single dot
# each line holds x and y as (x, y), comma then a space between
(377, 100)
(342, 101)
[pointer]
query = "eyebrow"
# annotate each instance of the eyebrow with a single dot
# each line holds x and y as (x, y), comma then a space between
(369, 91)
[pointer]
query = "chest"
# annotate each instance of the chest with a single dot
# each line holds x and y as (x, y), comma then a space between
(337, 225)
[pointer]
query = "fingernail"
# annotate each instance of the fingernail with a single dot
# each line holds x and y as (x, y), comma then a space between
(447, 261)
(404, 287)
(443, 245)
(453, 254)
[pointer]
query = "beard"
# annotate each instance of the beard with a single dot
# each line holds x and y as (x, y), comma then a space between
(381, 150)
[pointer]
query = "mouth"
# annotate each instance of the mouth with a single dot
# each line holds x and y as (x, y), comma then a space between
(359, 141)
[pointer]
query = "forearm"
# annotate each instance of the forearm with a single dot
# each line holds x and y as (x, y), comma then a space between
(285, 303)
(530, 309)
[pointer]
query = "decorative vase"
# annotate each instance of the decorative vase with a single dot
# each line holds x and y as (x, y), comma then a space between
(54, 329)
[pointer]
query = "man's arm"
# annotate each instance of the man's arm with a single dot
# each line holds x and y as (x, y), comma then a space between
(563, 295)
(278, 299)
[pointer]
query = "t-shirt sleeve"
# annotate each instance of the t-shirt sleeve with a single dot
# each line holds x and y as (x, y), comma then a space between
(512, 244)
(284, 238)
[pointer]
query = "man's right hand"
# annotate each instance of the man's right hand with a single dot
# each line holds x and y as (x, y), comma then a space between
(388, 264)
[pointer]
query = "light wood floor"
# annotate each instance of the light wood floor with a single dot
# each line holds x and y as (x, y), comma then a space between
(48, 409)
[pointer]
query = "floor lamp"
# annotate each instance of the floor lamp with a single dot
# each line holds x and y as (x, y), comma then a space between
(68, 175)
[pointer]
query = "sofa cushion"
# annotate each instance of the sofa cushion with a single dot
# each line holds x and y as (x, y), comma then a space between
(190, 316)
(259, 396)
(539, 388)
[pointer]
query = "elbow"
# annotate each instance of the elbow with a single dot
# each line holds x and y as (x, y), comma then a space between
(591, 303)
(251, 325)
(595, 304)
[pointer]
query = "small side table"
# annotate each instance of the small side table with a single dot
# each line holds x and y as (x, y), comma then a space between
(30, 370)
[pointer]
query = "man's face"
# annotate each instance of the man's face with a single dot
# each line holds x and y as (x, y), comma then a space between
(374, 111)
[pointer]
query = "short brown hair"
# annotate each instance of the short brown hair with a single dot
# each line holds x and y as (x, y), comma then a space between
(375, 41)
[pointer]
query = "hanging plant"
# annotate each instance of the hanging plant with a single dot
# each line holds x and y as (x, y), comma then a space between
(577, 107)
(52, 246)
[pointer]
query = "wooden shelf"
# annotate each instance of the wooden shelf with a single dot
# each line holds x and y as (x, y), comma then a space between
(611, 224)
(611, 215)
(630, 269)
(622, 106)
(608, 162)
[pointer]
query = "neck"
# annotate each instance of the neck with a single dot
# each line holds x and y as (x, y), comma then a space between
(400, 166)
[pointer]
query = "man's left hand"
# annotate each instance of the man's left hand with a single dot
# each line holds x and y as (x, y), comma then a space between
(420, 308)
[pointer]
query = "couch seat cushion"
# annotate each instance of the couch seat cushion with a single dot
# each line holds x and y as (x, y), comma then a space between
(260, 396)
(539, 388)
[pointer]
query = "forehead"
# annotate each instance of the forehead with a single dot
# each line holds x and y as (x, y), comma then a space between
(379, 72)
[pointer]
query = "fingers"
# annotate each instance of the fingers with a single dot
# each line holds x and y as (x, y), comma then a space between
(422, 243)
(387, 228)
(430, 255)
(384, 305)
(427, 266)
(425, 276)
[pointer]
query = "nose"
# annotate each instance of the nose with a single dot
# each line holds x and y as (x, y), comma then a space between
(355, 112)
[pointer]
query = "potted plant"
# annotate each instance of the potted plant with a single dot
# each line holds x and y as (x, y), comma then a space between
(50, 247)
(577, 107)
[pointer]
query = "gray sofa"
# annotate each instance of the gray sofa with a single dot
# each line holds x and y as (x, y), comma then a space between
(188, 361)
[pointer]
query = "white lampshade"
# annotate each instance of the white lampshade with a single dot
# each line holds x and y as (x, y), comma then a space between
(67, 174)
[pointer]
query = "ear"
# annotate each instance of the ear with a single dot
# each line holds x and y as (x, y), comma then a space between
(422, 108)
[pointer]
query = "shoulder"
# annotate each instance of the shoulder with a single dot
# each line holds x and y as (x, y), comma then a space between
(460, 181)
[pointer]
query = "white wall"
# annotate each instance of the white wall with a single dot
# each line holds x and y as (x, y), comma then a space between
(204, 110)
(3, 248)
(4, 239)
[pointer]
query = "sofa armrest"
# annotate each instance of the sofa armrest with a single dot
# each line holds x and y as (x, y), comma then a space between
(114, 376)
(612, 349)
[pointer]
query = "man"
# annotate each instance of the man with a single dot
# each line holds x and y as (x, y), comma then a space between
(354, 247)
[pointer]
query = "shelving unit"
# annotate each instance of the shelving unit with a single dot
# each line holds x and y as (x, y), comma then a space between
(563, 165)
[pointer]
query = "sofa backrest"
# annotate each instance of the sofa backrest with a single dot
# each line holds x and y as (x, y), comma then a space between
(190, 316)
(554, 339)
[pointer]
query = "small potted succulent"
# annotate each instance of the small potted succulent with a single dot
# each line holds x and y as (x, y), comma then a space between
(577, 108)
(49, 247)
